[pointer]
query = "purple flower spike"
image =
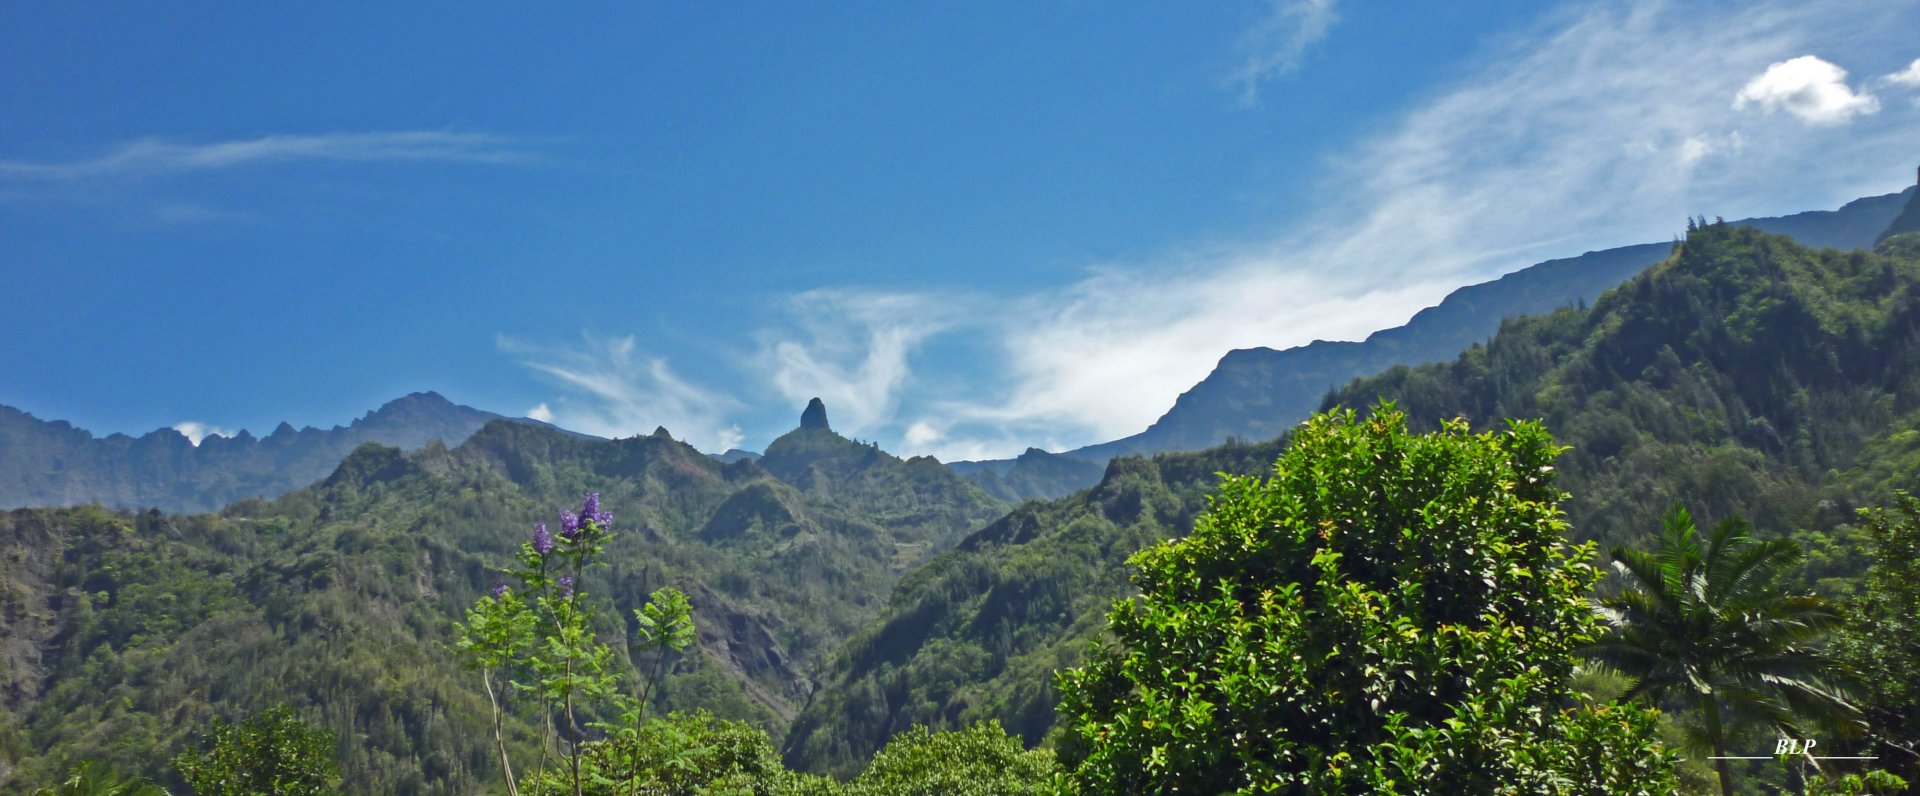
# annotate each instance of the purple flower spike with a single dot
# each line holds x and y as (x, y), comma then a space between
(499, 590)
(569, 524)
(566, 585)
(592, 506)
(603, 519)
(542, 541)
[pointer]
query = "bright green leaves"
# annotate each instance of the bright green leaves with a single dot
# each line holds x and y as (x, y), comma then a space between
(270, 754)
(497, 631)
(1387, 612)
(541, 639)
(980, 760)
(665, 622)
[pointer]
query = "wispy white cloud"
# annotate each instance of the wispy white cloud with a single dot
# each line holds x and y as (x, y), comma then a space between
(152, 156)
(1276, 46)
(1605, 126)
(613, 390)
(1810, 89)
(1909, 76)
(196, 431)
(851, 349)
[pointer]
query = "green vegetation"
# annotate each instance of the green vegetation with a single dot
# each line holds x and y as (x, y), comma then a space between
(1880, 641)
(128, 633)
(88, 779)
(913, 616)
(1710, 624)
(271, 754)
(1386, 613)
(977, 633)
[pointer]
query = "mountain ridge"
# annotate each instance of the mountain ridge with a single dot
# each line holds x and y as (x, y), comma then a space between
(1257, 393)
(55, 463)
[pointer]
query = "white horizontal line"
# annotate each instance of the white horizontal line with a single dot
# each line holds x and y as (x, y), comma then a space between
(1816, 757)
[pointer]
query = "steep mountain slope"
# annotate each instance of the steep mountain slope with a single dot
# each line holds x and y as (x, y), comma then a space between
(51, 463)
(340, 598)
(1035, 474)
(978, 631)
(1256, 393)
(1745, 373)
(1735, 376)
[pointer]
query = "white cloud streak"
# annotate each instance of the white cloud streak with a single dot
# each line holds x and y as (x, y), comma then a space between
(1276, 46)
(154, 157)
(1909, 76)
(1810, 89)
(612, 390)
(1605, 127)
(850, 348)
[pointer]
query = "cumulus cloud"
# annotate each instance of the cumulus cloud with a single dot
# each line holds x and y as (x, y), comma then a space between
(1809, 88)
(196, 431)
(1909, 76)
(613, 390)
(152, 156)
(851, 349)
(1275, 46)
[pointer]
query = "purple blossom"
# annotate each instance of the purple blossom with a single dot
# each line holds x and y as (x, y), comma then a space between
(591, 511)
(499, 590)
(542, 541)
(569, 524)
(566, 585)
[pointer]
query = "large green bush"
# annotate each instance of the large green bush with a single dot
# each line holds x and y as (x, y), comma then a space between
(1387, 613)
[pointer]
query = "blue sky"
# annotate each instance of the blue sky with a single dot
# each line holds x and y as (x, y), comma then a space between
(969, 227)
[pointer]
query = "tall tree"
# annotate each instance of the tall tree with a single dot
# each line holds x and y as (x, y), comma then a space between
(1708, 622)
(1387, 613)
(1880, 641)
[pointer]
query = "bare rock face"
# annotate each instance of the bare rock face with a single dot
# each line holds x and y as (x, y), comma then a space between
(815, 417)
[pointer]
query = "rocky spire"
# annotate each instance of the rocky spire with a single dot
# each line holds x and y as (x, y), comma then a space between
(815, 416)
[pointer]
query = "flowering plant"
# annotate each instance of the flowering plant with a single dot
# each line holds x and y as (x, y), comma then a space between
(543, 632)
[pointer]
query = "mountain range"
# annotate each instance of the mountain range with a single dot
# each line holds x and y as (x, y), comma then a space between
(1257, 393)
(1744, 375)
(1252, 394)
(52, 463)
(843, 594)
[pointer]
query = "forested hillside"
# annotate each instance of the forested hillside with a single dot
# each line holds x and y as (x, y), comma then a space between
(1744, 374)
(1257, 393)
(126, 633)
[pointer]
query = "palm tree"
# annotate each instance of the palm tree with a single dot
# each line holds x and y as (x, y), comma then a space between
(1712, 626)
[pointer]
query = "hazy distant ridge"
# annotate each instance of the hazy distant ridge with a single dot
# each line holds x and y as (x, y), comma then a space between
(52, 463)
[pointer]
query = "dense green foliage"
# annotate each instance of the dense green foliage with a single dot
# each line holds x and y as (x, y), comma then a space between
(977, 633)
(1880, 641)
(90, 779)
(1731, 378)
(1708, 623)
(271, 754)
(1746, 375)
(977, 760)
(1386, 613)
(129, 633)
(1258, 393)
